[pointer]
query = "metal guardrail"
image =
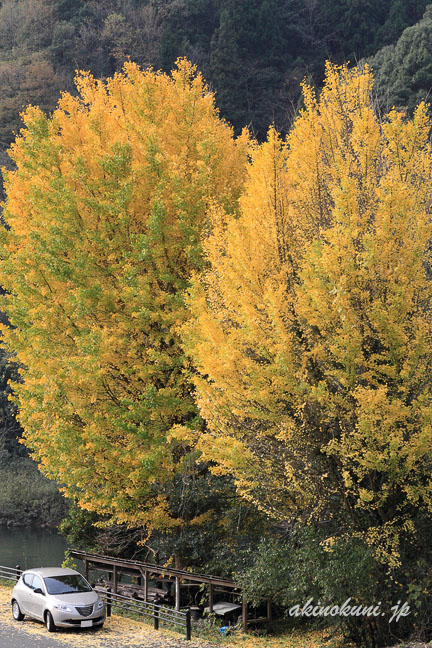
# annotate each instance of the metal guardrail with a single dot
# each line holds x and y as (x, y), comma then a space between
(158, 613)
(10, 573)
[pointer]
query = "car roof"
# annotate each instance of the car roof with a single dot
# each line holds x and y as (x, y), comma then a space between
(46, 572)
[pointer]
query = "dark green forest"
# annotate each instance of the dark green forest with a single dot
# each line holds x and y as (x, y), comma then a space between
(253, 53)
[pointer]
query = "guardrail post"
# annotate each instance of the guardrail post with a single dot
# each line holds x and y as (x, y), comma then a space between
(188, 625)
(156, 618)
(108, 602)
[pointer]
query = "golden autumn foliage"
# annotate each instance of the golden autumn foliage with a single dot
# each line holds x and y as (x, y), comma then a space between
(311, 328)
(105, 213)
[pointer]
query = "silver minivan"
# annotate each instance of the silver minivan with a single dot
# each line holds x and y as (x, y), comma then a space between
(59, 597)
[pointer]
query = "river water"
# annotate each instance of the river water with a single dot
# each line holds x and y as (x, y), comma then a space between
(31, 548)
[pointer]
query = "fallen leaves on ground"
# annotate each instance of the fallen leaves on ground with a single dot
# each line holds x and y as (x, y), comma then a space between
(117, 632)
(294, 639)
(121, 632)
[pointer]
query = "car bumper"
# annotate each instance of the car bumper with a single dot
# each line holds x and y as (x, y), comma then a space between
(70, 620)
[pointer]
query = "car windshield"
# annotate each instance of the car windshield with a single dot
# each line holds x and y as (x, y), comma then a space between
(66, 584)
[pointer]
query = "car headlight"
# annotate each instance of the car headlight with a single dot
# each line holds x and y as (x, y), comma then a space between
(100, 605)
(63, 608)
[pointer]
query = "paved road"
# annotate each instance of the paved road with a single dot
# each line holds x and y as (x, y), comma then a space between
(117, 632)
(11, 637)
(31, 635)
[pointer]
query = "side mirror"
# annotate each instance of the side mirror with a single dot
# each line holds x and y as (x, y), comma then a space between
(39, 591)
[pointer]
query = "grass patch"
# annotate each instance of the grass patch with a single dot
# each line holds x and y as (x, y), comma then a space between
(208, 630)
(281, 636)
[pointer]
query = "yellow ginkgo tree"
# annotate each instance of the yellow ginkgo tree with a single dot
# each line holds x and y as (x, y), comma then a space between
(311, 328)
(104, 216)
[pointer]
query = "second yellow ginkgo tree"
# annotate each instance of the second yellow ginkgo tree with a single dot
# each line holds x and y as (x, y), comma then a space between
(312, 326)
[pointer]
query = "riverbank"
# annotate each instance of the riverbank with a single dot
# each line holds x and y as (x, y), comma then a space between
(27, 498)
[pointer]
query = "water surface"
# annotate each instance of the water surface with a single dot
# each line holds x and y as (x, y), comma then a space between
(31, 548)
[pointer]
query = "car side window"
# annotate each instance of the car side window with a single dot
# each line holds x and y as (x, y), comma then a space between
(28, 579)
(37, 583)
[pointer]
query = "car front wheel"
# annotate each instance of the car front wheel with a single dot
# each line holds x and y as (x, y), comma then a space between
(16, 611)
(51, 626)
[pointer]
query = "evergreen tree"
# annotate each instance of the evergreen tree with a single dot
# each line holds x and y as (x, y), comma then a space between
(403, 71)
(226, 68)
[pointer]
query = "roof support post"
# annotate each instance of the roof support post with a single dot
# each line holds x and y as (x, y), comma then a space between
(86, 569)
(269, 614)
(145, 586)
(115, 579)
(211, 598)
(177, 593)
(244, 614)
